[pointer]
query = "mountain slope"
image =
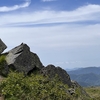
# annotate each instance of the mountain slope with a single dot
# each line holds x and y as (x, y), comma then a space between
(95, 70)
(89, 76)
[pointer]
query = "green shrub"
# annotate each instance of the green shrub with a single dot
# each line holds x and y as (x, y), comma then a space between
(2, 58)
(34, 87)
(3, 65)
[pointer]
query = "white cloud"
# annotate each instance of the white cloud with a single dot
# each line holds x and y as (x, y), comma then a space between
(88, 9)
(15, 7)
(64, 36)
(85, 13)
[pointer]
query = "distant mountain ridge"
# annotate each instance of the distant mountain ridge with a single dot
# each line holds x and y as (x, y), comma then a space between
(86, 70)
(89, 76)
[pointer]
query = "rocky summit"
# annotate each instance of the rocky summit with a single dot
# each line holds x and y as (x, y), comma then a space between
(52, 71)
(21, 59)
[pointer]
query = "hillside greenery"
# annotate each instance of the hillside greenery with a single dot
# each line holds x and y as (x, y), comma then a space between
(18, 86)
(94, 92)
(2, 65)
(36, 87)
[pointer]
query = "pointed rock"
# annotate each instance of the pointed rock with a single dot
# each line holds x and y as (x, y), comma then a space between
(52, 71)
(22, 59)
(2, 46)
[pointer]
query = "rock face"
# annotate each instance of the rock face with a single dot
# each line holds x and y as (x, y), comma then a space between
(51, 71)
(21, 59)
(2, 46)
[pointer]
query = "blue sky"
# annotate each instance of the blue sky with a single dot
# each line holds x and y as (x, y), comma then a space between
(65, 33)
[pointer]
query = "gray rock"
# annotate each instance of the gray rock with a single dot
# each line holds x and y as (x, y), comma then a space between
(52, 71)
(22, 59)
(2, 46)
(75, 84)
(71, 91)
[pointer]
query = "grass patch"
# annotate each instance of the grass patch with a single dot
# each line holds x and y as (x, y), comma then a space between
(94, 92)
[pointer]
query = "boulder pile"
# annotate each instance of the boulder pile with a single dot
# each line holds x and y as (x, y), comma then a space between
(21, 59)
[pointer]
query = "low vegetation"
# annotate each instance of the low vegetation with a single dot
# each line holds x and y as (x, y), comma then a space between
(94, 92)
(3, 65)
(35, 87)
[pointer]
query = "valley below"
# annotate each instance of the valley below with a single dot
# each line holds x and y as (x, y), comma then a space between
(86, 77)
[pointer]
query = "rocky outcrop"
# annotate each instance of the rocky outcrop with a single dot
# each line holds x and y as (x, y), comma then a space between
(2, 46)
(52, 71)
(22, 59)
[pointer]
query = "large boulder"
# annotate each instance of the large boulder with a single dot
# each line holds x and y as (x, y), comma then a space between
(22, 59)
(2, 46)
(52, 71)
